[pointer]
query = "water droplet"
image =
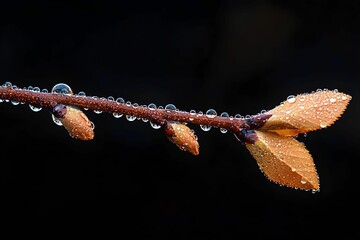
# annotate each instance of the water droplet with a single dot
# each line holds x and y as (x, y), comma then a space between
(130, 118)
(154, 125)
(205, 128)
(313, 191)
(7, 84)
(61, 88)
(224, 114)
(36, 89)
(303, 181)
(44, 90)
(34, 108)
(343, 98)
(291, 99)
(111, 98)
(135, 105)
(56, 120)
(211, 113)
(152, 106)
(323, 125)
(120, 100)
(192, 112)
(238, 116)
(170, 107)
(96, 110)
(332, 100)
(81, 94)
(14, 103)
(223, 130)
(117, 115)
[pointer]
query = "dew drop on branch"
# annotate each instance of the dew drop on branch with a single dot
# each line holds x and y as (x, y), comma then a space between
(154, 125)
(211, 113)
(152, 106)
(62, 88)
(226, 115)
(170, 107)
(35, 108)
(205, 128)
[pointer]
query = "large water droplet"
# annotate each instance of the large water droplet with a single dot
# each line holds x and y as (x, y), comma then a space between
(211, 113)
(61, 88)
(170, 107)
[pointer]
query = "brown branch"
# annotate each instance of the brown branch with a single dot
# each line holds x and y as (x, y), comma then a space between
(158, 116)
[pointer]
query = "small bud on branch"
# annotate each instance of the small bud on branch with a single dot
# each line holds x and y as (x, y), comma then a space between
(182, 136)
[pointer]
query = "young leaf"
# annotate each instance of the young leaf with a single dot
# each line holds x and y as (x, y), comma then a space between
(284, 160)
(306, 112)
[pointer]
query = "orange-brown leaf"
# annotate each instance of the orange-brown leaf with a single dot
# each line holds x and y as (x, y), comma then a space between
(284, 160)
(307, 112)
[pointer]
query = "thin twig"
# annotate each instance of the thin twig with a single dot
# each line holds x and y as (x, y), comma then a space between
(158, 116)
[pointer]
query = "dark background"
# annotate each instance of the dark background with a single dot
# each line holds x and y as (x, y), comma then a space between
(234, 56)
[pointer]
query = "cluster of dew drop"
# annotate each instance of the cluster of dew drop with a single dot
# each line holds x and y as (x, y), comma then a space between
(62, 88)
(29, 88)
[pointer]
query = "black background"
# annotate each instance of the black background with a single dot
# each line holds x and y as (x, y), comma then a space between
(234, 56)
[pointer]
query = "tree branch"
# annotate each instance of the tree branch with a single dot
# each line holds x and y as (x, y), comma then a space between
(157, 116)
